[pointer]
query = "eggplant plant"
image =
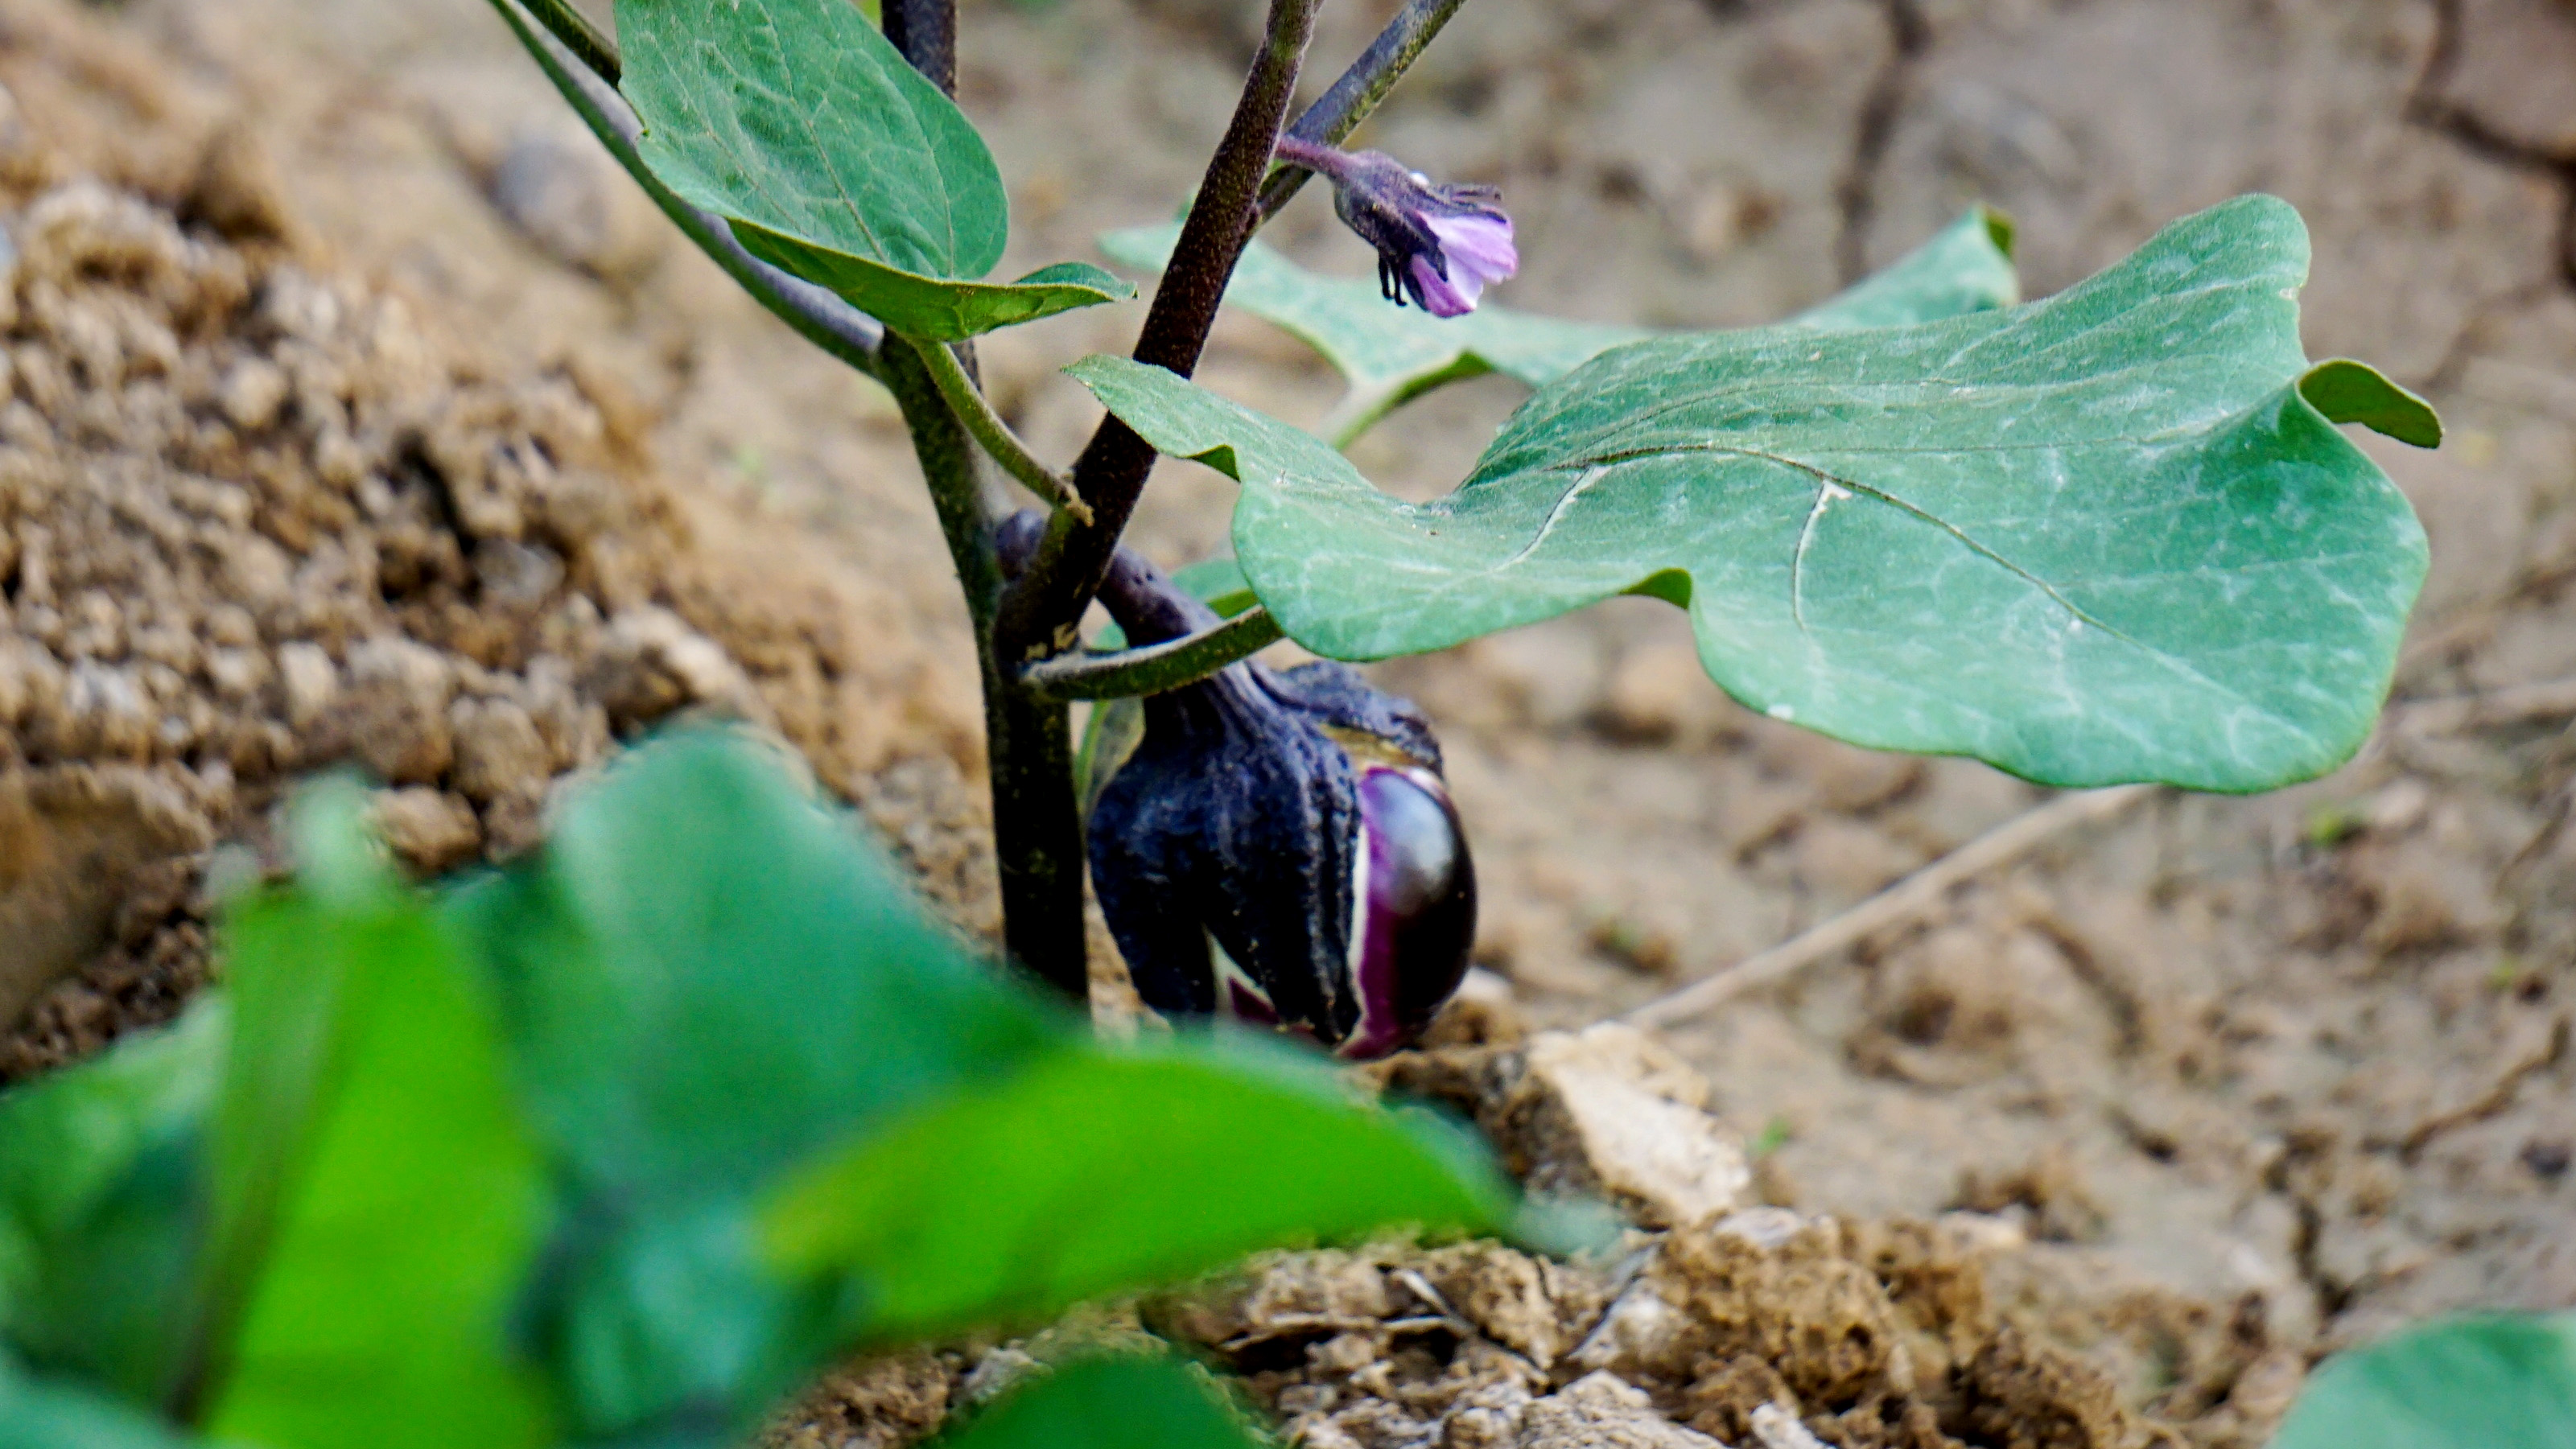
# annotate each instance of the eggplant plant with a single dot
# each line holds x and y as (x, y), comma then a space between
(2114, 535)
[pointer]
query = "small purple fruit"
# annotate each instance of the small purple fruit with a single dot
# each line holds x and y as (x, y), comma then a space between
(1278, 846)
(1417, 907)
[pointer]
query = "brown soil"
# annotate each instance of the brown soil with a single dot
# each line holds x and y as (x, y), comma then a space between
(2246, 1079)
(257, 519)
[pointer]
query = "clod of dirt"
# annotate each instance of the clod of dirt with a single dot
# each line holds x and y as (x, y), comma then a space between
(73, 841)
(1763, 1328)
(881, 1403)
(258, 519)
(1605, 1112)
(1600, 1410)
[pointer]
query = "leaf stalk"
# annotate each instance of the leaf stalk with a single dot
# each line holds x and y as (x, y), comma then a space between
(1156, 667)
(587, 42)
(987, 428)
(815, 313)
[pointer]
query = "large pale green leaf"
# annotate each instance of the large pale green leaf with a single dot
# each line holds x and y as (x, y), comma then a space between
(99, 1222)
(2491, 1381)
(376, 1230)
(1390, 355)
(1108, 1403)
(708, 975)
(835, 159)
(1095, 1170)
(2113, 535)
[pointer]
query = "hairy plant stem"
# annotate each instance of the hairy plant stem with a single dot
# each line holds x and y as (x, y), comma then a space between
(1339, 111)
(1155, 667)
(1040, 612)
(1028, 738)
(817, 315)
(925, 33)
(1037, 828)
(1038, 835)
(986, 426)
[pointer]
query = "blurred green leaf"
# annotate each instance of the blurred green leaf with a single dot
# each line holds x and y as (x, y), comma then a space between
(2490, 1381)
(39, 1415)
(836, 160)
(1108, 1403)
(1095, 1170)
(1390, 355)
(708, 975)
(100, 1166)
(2099, 538)
(290, 1023)
(379, 1199)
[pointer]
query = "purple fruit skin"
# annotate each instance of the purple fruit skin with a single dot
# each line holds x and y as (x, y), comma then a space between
(1418, 926)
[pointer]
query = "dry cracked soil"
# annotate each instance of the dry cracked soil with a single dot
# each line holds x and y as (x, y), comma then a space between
(357, 408)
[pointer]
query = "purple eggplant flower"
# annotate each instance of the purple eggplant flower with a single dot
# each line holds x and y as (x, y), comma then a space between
(1439, 245)
(1276, 846)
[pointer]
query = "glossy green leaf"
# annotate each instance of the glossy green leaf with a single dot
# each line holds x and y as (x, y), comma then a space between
(379, 1198)
(836, 160)
(2098, 538)
(1094, 1170)
(1390, 355)
(1108, 1403)
(99, 1222)
(2491, 1381)
(36, 1414)
(708, 975)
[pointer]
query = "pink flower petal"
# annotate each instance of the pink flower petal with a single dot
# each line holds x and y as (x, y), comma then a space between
(1479, 248)
(1440, 296)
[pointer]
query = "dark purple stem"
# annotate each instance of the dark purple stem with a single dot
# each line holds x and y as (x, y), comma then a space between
(1339, 111)
(1313, 155)
(925, 32)
(1148, 606)
(1040, 613)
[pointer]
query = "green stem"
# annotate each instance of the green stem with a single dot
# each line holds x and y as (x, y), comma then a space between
(986, 426)
(1028, 739)
(1037, 830)
(1156, 667)
(1037, 825)
(583, 39)
(817, 315)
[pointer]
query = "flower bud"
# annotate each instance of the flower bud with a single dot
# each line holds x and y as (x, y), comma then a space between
(1440, 245)
(1279, 846)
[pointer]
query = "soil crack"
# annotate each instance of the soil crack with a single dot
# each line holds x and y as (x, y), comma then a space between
(2429, 106)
